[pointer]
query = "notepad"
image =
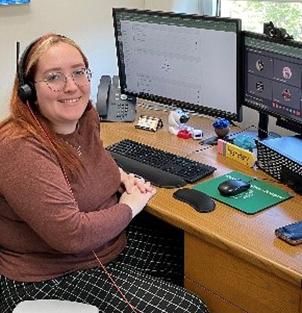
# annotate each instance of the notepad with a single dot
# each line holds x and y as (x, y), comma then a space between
(259, 196)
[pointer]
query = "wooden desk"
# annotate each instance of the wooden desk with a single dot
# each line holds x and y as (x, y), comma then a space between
(232, 260)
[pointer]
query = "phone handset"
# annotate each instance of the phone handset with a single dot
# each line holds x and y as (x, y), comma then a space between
(111, 104)
(103, 95)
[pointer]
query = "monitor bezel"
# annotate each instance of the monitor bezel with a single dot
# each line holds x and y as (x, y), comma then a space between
(189, 107)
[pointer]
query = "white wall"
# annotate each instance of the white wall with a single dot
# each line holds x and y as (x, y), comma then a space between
(178, 6)
(88, 22)
(161, 5)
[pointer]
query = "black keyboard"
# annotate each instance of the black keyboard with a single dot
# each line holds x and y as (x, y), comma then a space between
(149, 157)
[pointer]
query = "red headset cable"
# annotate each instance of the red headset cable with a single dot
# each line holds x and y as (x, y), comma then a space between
(114, 284)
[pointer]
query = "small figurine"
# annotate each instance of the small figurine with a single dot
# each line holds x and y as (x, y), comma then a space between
(177, 120)
(177, 125)
(245, 142)
(222, 127)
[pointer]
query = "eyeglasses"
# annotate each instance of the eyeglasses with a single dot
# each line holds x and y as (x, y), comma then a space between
(56, 81)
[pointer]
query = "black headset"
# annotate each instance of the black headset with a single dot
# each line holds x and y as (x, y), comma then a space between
(26, 88)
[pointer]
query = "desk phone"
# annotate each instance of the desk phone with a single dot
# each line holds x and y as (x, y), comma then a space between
(111, 104)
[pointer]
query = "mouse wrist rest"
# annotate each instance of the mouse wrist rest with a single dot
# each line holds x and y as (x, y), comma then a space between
(200, 201)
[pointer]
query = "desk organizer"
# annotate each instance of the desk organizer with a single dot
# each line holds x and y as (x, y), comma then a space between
(282, 159)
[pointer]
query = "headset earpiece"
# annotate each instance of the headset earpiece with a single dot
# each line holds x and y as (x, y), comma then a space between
(26, 89)
(27, 92)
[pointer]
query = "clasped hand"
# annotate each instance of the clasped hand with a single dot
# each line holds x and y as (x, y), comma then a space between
(136, 192)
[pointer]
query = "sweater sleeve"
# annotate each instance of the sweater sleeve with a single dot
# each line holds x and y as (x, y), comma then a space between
(32, 183)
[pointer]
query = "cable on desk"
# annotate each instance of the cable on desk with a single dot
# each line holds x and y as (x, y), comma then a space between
(199, 150)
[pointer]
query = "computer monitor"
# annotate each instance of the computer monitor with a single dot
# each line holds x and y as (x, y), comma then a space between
(273, 80)
(187, 61)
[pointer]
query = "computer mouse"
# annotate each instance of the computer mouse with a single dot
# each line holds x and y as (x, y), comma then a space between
(233, 187)
(198, 200)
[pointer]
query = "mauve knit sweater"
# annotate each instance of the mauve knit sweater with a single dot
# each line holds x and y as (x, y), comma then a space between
(44, 233)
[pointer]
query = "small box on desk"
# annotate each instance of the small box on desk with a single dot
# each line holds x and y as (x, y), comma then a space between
(282, 159)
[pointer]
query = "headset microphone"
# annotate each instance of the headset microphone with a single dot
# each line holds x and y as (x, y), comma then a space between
(17, 55)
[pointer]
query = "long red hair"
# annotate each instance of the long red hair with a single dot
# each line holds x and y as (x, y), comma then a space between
(21, 121)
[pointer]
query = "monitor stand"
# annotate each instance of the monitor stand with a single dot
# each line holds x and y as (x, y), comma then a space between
(261, 134)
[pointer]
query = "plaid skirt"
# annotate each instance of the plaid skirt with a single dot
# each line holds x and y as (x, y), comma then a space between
(149, 272)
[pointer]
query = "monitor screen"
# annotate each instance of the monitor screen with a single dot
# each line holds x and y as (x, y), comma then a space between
(273, 78)
(186, 61)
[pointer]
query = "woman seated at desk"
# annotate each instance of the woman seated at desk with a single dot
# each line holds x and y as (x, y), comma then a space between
(65, 205)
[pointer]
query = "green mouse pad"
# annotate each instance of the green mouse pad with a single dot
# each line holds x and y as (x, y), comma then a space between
(258, 197)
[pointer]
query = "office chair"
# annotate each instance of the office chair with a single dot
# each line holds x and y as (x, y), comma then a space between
(54, 306)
